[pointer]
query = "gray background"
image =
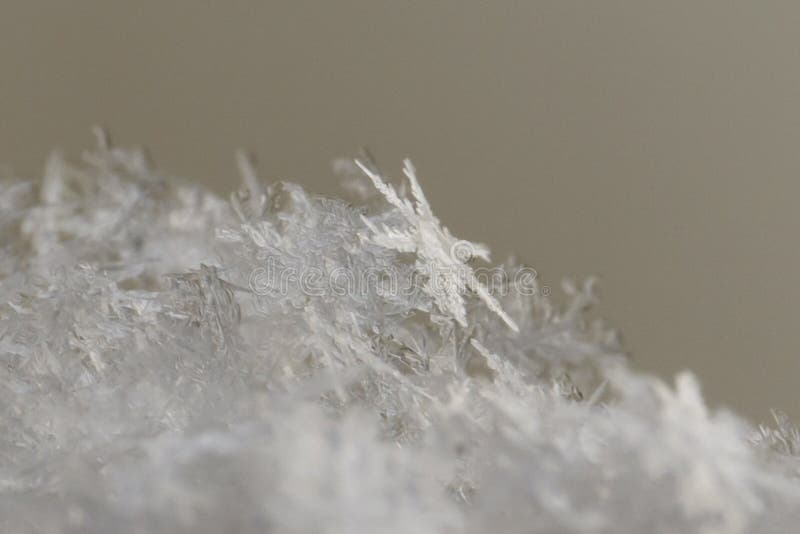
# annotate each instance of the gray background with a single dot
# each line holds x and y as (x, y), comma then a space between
(655, 144)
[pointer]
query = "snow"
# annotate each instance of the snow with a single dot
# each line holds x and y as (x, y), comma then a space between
(283, 362)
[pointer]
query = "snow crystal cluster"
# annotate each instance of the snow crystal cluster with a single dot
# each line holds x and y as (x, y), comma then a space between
(283, 362)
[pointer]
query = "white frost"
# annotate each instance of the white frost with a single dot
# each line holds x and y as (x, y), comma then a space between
(289, 363)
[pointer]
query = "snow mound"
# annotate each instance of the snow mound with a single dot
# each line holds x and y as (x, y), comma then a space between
(283, 362)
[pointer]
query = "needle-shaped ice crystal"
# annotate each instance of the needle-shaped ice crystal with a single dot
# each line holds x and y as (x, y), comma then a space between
(441, 256)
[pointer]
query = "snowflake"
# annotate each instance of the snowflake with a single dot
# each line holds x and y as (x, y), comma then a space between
(441, 257)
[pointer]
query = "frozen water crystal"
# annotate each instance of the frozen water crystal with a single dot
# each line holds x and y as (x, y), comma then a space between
(283, 362)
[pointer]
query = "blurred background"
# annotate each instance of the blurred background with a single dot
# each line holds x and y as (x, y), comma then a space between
(654, 144)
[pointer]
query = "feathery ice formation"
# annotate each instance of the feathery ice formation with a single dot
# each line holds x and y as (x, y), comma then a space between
(282, 362)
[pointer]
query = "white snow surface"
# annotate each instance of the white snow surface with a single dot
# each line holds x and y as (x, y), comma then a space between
(282, 362)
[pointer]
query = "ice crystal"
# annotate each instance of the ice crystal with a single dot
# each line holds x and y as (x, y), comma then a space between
(284, 362)
(442, 258)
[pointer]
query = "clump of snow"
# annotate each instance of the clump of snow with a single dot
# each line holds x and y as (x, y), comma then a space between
(283, 362)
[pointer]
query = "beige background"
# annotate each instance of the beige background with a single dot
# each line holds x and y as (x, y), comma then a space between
(656, 144)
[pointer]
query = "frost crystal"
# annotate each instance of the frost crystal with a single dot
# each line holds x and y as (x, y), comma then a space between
(283, 362)
(441, 257)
